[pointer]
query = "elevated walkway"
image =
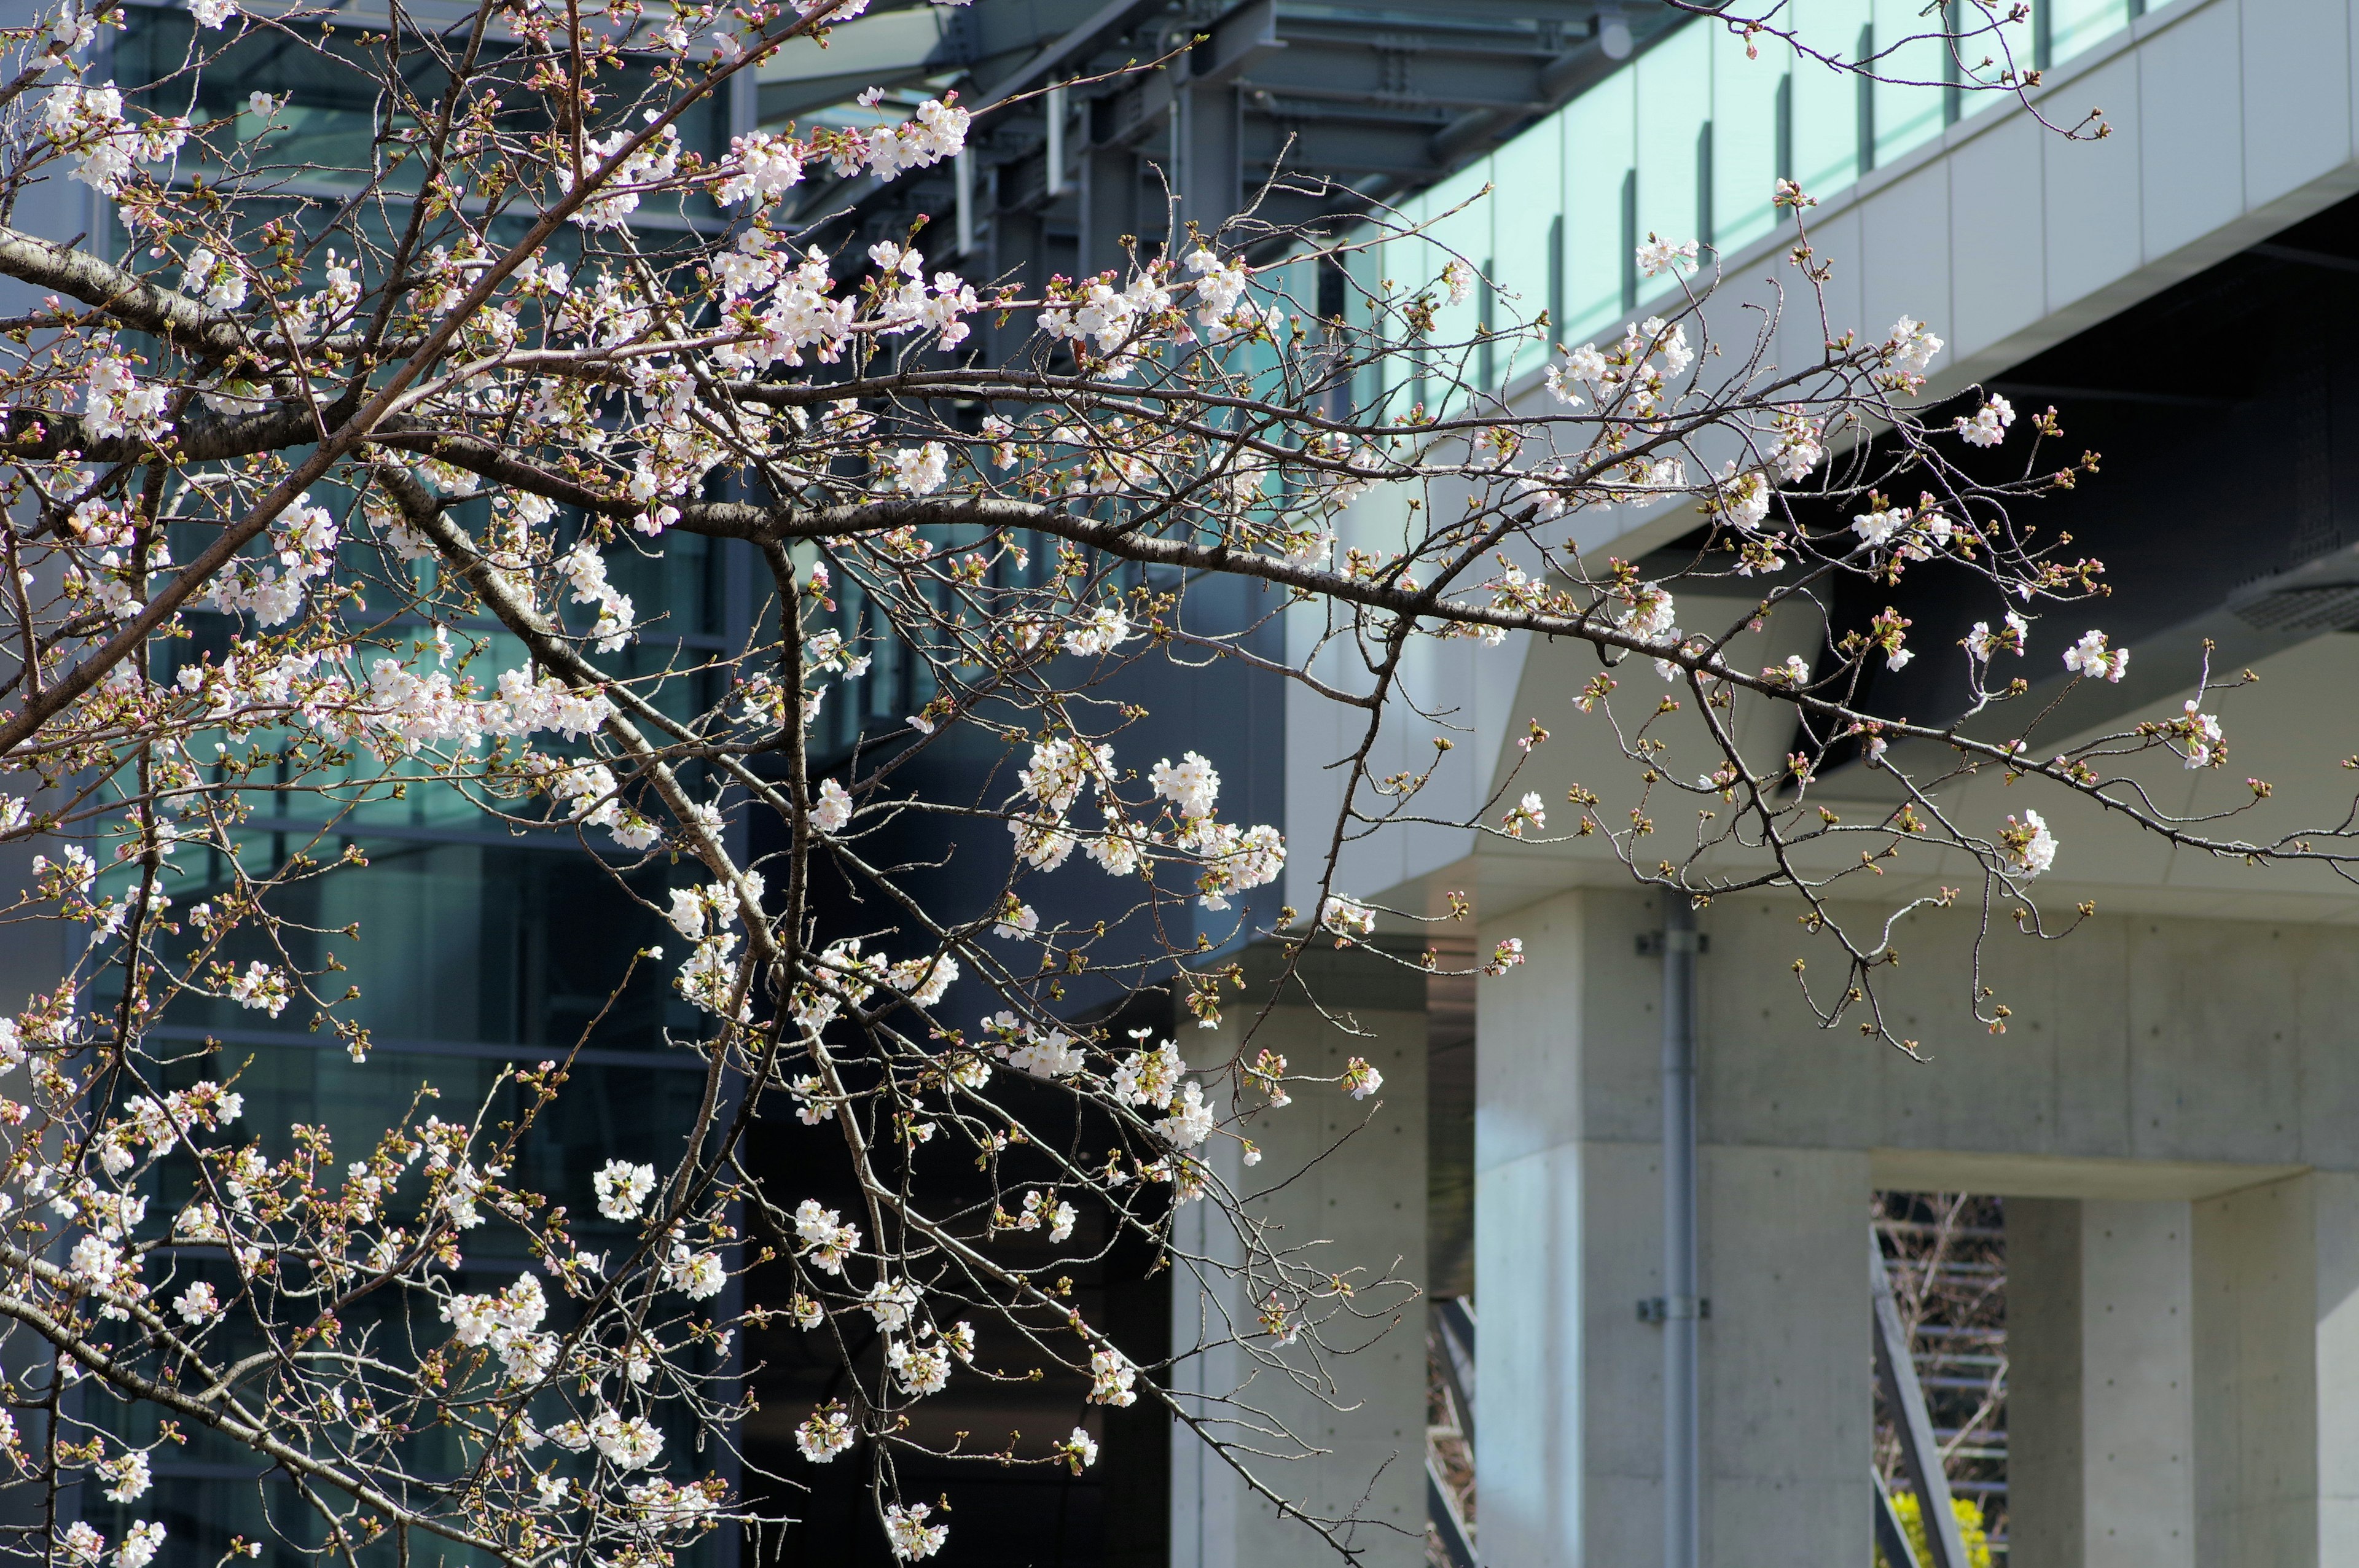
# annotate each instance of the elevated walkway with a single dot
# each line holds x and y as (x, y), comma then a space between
(2134, 281)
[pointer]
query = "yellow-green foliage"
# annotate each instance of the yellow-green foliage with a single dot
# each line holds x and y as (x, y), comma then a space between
(1970, 1529)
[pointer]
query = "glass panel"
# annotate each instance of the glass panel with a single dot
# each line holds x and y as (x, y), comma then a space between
(1745, 137)
(332, 115)
(1828, 109)
(1408, 265)
(355, 795)
(457, 943)
(1459, 219)
(677, 593)
(1524, 221)
(333, 119)
(1600, 155)
(1988, 56)
(1674, 117)
(2074, 25)
(608, 1110)
(203, 1506)
(1907, 116)
(1367, 271)
(208, 1487)
(1290, 287)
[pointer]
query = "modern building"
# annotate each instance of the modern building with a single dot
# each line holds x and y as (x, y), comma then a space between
(482, 948)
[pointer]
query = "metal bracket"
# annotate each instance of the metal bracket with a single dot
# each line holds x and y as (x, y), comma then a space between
(1650, 943)
(1661, 1309)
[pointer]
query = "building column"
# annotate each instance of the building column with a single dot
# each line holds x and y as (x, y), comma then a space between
(1350, 1199)
(1013, 242)
(1531, 1463)
(1209, 142)
(1569, 1242)
(2334, 1319)
(2276, 1386)
(2101, 1386)
(1788, 1400)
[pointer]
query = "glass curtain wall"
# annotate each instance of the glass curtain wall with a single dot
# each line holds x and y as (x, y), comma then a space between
(1688, 141)
(473, 948)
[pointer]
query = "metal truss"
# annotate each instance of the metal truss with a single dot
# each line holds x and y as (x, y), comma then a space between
(1303, 110)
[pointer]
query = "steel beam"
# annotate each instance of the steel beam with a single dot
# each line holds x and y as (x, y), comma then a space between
(1920, 1454)
(1454, 1323)
(1891, 1536)
(1441, 1511)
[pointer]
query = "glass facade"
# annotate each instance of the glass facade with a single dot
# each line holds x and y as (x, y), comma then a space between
(1688, 141)
(472, 951)
(325, 137)
(473, 946)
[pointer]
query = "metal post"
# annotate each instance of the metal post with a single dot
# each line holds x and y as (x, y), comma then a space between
(962, 172)
(1453, 1321)
(1055, 151)
(1681, 1451)
(1454, 1333)
(1442, 1512)
(1012, 244)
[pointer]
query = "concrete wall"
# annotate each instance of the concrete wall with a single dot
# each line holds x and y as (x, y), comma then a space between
(2141, 1038)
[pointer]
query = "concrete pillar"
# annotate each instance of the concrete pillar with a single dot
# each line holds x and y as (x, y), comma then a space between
(1357, 1210)
(1568, 1242)
(1531, 1463)
(1788, 1411)
(1205, 1492)
(2043, 1383)
(2336, 1345)
(2334, 1199)
(2256, 1389)
(2100, 1389)
(2277, 1336)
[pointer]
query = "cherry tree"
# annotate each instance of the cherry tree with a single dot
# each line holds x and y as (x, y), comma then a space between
(329, 500)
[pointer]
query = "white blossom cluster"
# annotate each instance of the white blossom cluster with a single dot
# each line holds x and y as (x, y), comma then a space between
(88, 125)
(1226, 858)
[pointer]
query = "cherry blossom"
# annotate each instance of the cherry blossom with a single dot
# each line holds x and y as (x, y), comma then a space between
(2030, 849)
(1658, 256)
(2090, 656)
